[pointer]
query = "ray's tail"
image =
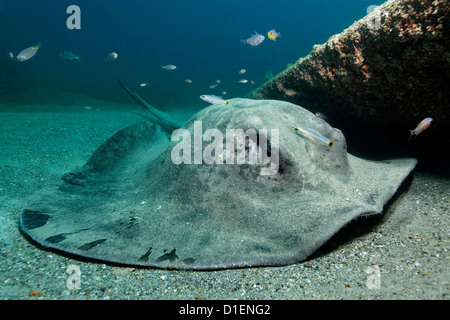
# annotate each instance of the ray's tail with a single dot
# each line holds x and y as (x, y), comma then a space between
(160, 118)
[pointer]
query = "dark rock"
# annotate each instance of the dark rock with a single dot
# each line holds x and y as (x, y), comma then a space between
(378, 79)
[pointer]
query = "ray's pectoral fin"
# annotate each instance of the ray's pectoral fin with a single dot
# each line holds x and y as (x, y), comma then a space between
(132, 204)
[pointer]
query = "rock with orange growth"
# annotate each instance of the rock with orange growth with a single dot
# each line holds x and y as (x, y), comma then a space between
(35, 293)
(383, 74)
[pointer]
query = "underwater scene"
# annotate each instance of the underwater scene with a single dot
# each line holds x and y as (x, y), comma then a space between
(224, 150)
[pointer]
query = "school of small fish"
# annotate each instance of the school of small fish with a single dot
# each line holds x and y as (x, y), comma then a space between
(255, 40)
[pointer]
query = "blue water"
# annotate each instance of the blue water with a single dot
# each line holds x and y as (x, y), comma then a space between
(201, 37)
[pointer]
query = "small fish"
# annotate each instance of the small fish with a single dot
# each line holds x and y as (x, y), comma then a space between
(242, 71)
(144, 84)
(290, 92)
(28, 53)
(224, 92)
(243, 81)
(213, 86)
(169, 67)
(423, 125)
(252, 82)
(254, 40)
(67, 55)
(280, 87)
(225, 155)
(313, 135)
(11, 56)
(188, 81)
(111, 57)
(273, 35)
(217, 81)
(214, 99)
(321, 115)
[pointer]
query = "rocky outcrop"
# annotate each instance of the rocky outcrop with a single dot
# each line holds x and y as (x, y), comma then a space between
(383, 74)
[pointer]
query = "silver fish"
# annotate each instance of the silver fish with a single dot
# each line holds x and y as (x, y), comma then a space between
(213, 99)
(111, 57)
(169, 67)
(254, 40)
(28, 53)
(313, 135)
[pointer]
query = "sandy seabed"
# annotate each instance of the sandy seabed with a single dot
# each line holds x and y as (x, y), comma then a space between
(402, 254)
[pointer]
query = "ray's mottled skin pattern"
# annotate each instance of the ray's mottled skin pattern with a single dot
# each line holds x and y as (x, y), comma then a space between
(131, 204)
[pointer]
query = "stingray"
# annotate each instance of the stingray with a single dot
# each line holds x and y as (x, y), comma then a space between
(190, 200)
